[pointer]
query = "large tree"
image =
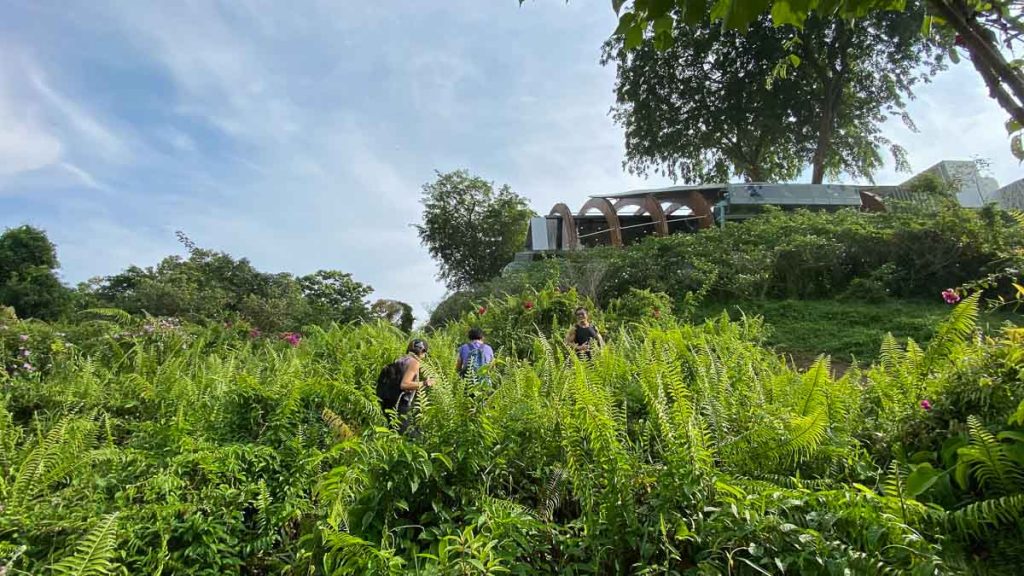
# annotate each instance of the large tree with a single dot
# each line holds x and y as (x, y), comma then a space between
(981, 28)
(28, 279)
(472, 229)
(766, 103)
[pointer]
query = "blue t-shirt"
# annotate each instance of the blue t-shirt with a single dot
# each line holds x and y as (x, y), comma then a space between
(465, 351)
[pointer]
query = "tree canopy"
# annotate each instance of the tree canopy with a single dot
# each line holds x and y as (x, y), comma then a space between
(714, 103)
(981, 28)
(28, 280)
(472, 229)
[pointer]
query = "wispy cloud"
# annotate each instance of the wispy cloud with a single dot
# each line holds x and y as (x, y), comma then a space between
(94, 135)
(84, 177)
(26, 143)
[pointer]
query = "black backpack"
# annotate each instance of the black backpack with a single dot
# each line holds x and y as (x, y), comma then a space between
(389, 385)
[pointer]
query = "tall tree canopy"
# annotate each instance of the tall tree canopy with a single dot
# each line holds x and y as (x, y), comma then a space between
(470, 228)
(981, 28)
(766, 103)
(28, 279)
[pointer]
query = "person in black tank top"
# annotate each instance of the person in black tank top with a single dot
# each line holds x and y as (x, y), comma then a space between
(583, 336)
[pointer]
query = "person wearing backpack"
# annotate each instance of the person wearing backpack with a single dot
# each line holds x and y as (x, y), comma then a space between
(473, 355)
(399, 381)
(583, 335)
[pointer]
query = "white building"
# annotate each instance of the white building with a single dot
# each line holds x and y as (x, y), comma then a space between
(975, 190)
(1011, 196)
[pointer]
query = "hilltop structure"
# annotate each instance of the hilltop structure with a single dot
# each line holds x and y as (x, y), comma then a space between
(623, 218)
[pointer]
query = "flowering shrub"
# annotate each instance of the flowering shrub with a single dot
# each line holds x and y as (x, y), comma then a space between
(640, 306)
(292, 338)
(511, 322)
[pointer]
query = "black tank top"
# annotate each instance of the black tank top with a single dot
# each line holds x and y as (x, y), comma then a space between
(585, 334)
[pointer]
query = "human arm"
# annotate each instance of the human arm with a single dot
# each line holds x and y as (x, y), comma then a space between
(458, 361)
(600, 340)
(410, 380)
(570, 339)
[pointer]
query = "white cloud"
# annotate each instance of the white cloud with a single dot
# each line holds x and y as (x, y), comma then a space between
(26, 144)
(95, 136)
(82, 176)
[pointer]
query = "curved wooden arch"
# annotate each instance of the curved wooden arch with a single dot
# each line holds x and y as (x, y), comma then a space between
(606, 208)
(697, 204)
(700, 207)
(570, 238)
(652, 207)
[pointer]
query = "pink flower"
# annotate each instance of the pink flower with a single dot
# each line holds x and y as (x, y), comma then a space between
(255, 333)
(292, 338)
(481, 310)
(528, 305)
(27, 366)
(26, 352)
(950, 296)
(23, 337)
(926, 405)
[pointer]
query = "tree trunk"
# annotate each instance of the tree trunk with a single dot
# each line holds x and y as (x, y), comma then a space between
(831, 100)
(825, 128)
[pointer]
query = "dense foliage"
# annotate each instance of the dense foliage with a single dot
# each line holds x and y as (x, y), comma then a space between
(908, 252)
(157, 447)
(768, 102)
(28, 279)
(983, 29)
(471, 229)
(206, 287)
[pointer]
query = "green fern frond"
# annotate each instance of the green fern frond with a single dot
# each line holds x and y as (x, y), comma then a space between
(94, 554)
(980, 516)
(953, 333)
(989, 461)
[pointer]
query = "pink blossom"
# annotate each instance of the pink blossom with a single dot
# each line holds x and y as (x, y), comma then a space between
(25, 352)
(23, 337)
(481, 310)
(528, 305)
(27, 366)
(292, 338)
(255, 333)
(926, 405)
(950, 296)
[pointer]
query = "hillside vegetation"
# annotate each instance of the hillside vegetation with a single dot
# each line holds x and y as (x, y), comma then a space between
(147, 446)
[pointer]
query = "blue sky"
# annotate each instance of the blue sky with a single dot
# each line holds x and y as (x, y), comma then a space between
(299, 134)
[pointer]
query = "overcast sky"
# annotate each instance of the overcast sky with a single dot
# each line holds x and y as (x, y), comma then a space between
(298, 134)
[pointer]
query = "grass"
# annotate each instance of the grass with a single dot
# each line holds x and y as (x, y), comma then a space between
(846, 330)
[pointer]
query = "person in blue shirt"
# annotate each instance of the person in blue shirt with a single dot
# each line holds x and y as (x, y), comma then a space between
(474, 354)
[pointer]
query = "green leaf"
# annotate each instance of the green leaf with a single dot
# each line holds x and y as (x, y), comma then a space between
(634, 36)
(954, 55)
(738, 14)
(794, 60)
(663, 24)
(625, 23)
(791, 12)
(926, 25)
(693, 11)
(949, 448)
(1012, 126)
(921, 479)
(1017, 147)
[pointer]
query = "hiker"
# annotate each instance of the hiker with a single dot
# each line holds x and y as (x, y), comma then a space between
(399, 381)
(473, 355)
(582, 336)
